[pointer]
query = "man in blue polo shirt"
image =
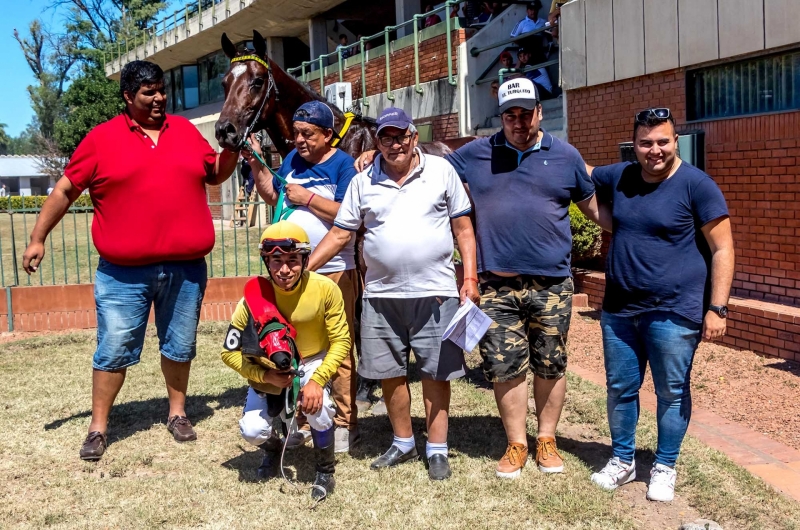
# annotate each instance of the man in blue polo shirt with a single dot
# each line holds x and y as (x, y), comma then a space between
(317, 176)
(522, 181)
(669, 272)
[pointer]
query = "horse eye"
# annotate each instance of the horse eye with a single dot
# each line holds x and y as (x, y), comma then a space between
(258, 82)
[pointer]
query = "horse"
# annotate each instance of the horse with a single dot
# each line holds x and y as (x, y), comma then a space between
(259, 95)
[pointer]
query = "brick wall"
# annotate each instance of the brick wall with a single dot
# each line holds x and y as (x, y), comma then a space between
(762, 327)
(444, 126)
(432, 66)
(753, 159)
(214, 195)
(51, 308)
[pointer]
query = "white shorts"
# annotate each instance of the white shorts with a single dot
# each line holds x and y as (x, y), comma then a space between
(256, 423)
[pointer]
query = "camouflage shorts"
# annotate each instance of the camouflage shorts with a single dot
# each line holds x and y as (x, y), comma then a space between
(531, 320)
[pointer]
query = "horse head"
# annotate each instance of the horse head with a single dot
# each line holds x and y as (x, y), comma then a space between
(250, 91)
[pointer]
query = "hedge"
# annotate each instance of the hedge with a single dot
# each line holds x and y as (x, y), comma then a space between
(36, 201)
(586, 239)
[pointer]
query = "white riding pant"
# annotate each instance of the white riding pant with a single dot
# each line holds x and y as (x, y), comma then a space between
(256, 425)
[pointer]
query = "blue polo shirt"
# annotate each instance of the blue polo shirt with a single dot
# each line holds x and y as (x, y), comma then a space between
(659, 258)
(522, 202)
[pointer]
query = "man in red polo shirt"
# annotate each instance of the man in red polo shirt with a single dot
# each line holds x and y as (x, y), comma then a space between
(146, 173)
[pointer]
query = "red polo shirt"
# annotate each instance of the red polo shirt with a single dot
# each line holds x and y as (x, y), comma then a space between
(149, 199)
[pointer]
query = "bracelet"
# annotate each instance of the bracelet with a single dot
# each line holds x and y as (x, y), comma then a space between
(310, 199)
(472, 279)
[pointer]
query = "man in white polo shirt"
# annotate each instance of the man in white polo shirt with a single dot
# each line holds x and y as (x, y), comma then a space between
(411, 205)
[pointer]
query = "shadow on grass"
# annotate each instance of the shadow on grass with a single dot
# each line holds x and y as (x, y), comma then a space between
(596, 454)
(127, 419)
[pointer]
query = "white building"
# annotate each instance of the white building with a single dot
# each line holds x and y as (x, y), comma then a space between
(22, 175)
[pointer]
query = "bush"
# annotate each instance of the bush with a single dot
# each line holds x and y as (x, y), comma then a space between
(36, 201)
(586, 239)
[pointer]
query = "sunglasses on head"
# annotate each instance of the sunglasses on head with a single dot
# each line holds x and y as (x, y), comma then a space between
(661, 113)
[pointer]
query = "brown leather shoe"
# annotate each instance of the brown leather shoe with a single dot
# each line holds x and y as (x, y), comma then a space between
(93, 446)
(181, 429)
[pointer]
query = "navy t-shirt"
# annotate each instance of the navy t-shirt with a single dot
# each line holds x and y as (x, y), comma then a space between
(659, 258)
(522, 202)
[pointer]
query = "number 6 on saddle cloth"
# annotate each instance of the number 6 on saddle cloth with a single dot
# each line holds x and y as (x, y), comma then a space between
(276, 339)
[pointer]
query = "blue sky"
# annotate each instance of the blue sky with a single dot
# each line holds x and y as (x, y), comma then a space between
(15, 110)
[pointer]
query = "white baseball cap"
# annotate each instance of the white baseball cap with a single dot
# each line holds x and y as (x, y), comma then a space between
(520, 92)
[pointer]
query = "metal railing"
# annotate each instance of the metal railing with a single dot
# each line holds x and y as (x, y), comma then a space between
(71, 257)
(477, 51)
(180, 17)
(364, 54)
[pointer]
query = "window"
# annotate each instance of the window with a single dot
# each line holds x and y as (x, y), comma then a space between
(168, 91)
(753, 86)
(177, 89)
(212, 70)
(191, 87)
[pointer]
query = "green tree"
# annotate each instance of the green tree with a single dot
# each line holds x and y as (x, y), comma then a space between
(5, 140)
(90, 99)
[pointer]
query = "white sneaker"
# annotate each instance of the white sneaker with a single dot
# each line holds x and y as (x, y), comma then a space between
(344, 439)
(662, 483)
(298, 438)
(615, 474)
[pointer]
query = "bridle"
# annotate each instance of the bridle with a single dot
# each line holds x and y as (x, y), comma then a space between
(270, 87)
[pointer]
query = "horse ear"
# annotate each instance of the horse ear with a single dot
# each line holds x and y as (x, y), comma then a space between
(260, 44)
(228, 47)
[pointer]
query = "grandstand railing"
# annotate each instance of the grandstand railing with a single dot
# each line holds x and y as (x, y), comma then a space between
(450, 25)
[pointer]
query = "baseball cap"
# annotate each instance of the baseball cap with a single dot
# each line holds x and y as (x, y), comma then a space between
(316, 113)
(393, 117)
(520, 92)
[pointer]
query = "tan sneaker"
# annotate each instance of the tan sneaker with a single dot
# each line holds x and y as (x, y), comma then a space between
(510, 466)
(547, 458)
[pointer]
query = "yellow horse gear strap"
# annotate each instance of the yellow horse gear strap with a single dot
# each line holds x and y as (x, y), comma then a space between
(348, 119)
(255, 58)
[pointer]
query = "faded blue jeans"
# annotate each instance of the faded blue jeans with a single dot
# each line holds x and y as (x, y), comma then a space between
(667, 341)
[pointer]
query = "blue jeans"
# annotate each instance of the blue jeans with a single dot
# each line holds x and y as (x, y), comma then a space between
(123, 296)
(668, 341)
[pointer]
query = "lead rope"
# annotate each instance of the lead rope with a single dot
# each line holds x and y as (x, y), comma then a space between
(292, 425)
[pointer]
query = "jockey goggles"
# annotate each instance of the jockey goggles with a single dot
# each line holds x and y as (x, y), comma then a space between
(283, 246)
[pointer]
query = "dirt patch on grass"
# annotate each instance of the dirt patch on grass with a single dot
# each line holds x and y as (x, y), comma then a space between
(760, 392)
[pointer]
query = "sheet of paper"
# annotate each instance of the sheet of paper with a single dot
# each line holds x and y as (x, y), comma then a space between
(468, 326)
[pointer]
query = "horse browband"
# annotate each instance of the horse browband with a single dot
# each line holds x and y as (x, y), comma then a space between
(255, 58)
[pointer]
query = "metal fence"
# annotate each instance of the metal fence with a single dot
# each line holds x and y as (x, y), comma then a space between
(71, 257)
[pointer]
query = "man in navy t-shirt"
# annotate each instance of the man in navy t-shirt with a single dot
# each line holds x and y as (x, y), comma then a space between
(669, 272)
(317, 176)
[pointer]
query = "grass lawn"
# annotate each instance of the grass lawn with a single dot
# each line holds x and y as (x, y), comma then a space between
(146, 480)
(70, 255)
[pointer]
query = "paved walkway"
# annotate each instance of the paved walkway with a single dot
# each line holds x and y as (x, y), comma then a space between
(775, 463)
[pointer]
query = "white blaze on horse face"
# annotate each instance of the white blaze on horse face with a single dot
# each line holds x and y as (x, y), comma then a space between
(238, 70)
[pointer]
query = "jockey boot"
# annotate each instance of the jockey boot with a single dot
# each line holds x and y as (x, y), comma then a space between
(272, 457)
(324, 447)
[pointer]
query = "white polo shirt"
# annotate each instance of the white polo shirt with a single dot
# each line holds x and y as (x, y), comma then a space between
(408, 246)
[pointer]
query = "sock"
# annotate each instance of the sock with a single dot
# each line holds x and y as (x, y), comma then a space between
(435, 449)
(404, 444)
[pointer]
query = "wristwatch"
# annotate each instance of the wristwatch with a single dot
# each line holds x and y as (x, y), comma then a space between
(720, 310)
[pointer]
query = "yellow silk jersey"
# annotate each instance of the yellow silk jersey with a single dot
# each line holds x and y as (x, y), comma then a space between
(316, 309)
